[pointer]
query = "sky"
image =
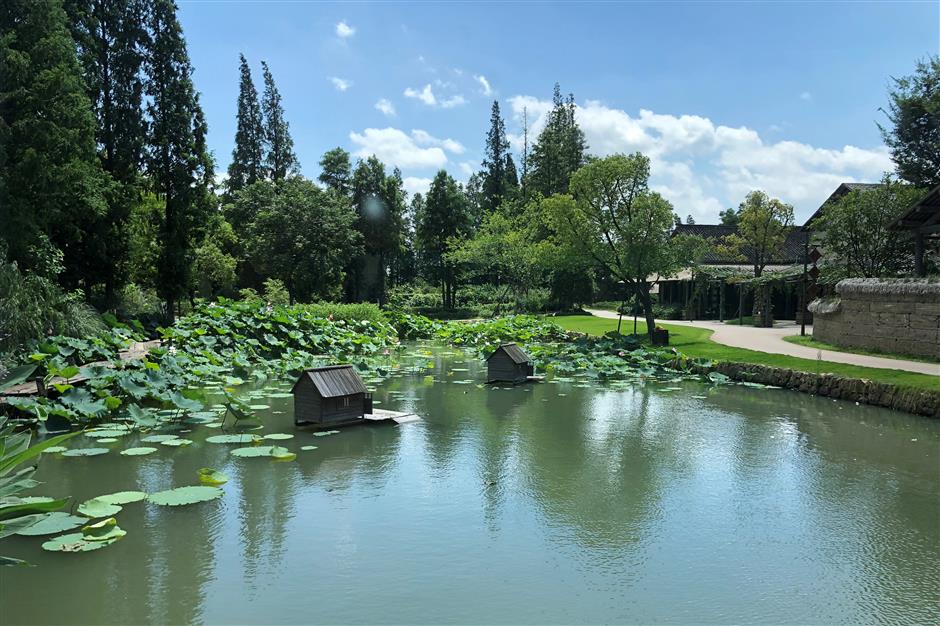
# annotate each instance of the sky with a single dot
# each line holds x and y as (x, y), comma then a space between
(724, 97)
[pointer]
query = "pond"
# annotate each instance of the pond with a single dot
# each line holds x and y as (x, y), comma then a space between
(566, 501)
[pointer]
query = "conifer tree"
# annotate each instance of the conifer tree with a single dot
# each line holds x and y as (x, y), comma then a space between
(112, 42)
(336, 171)
(494, 161)
(247, 164)
(280, 159)
(177, 160)
(559, 150)
(52, 188)
(443, 216)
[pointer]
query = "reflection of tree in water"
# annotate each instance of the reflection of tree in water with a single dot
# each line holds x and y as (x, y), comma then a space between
(592, 465)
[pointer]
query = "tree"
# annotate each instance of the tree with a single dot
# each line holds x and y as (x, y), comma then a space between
(380, 206)
(280, 158)
(614, 220)
(855, 229)
(763, 226)
(214, 264)
(559, 150)
(914, 134)
(336, 171)
(300, 235)
(52, 187)
(729, 216)
(179, 165)
(495, 161)
(112, 42)
(247, 166)
(443, 219)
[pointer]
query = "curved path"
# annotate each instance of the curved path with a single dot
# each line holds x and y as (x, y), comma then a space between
(771, 340)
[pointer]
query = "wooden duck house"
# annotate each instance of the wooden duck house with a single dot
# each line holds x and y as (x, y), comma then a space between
(330, 396)
(508, 364)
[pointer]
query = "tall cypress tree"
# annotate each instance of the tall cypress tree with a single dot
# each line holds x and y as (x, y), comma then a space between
(494, 160)
(52, 188)
(179, 165)
(112, 40)
(336, 171)
(559, 150)
(280, 159)
(247, 164)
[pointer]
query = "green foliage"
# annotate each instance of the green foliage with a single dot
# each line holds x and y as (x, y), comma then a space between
(499, 172)
(559, 150)
(914, 132)
(855, 230)
(336, 171)
(442, 218)
(247, 166)
(763, 225)
(275, 292)
(280, 158)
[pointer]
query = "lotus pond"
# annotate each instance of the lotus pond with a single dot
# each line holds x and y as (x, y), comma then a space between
(574, 500)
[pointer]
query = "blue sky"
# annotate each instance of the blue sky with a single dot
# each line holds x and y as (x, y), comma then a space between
(724, 97)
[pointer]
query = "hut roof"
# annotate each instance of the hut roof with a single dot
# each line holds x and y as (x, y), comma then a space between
(790, 252)
(840, 191)
(335, 380)
(513, 351)
(923, 217)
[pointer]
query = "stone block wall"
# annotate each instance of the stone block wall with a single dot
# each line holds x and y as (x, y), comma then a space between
(898, 316)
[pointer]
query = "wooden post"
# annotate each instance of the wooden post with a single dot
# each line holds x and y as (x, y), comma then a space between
(741, 304)
(920, 269)
(803, 287)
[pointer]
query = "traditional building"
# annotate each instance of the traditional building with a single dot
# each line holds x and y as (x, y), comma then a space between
(923, 222)
(328, 396)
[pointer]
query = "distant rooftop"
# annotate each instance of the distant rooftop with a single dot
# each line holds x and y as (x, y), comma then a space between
(840, 191)
(790, 253)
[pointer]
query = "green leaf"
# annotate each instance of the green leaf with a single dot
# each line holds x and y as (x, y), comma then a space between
(55, 449)
(78, 542)
(96, 507)
(157, 438)
(85, 452)
(51, 523)
(68, 372)
(138, 451)
(185, 495)
(278, 436)
(123, 497)
(308, 447)
(176, 443)
(106, 433)
(254, 451)
(23, 508)
(102, 531)
(16, 376)
(8, 462)
(209, 476)
(233, 439)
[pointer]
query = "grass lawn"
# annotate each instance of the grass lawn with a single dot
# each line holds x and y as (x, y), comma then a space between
(809, 342)
(697, 343)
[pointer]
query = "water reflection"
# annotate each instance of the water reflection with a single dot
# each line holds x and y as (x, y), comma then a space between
(555, 502)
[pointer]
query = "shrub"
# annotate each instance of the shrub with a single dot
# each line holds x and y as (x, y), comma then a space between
(275, 292)
(348, 312)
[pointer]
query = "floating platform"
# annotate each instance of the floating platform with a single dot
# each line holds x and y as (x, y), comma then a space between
(376, 416)
(528, 379)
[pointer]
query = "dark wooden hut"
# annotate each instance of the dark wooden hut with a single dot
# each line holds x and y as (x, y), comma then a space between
(509, 364)
(330, 396)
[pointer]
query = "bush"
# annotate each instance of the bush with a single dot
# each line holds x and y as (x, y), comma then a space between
(275, 292)
(348, 312)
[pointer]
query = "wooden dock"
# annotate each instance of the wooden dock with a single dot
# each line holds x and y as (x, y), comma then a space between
(383, 415)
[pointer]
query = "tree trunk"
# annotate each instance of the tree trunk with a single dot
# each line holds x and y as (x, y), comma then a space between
(643, 294)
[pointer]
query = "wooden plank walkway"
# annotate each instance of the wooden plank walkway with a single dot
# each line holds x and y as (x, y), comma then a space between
(138, 350)
(383, 415)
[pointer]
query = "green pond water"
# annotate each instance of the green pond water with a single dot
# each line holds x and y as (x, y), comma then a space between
(562, 502)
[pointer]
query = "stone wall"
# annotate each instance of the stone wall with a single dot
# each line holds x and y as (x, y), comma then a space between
(895, 316)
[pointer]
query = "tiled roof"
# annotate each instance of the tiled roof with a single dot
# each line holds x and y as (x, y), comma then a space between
(840, 191)
(790, 252)
(513, 351)
(335, 380)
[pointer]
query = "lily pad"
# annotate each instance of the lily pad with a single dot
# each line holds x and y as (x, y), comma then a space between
(280, 395)
(107, 440)
(278, 436)
(157, 438)
(35, 499)
(324, 433)
(185, 495)
(97, 507)
(254, 451)
(175, 443)
(104, 530)
(308, 447)
(233, 438)
(259, 407)
(85, 452)
(77, 542)
(123, 497)
(51, 523)
(107, 433)
(209, 476)
(138, 451)
(54, 449)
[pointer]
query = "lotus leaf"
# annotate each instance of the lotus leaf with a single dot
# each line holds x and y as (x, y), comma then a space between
(324, 433)
(138, 451)
(123, 497)
(51, 523)
(233, 438)
(97, 507)
(254, 451)
(77, 542)
(102, 531)
(54, 449)
(209, 476)
(278, 436)
(185, 495)
(85, 452)
(175, 443)
(106, 434)
(308, 447)
(259, 407)
(107, 440)
(157, 438)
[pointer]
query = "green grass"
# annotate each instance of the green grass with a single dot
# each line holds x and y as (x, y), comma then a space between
(809, 342)
(697, 343)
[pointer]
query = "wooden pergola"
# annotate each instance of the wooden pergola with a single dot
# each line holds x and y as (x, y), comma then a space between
(923, 221)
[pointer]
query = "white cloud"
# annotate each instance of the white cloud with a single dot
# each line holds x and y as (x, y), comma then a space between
(468, 168)
(484, 85)
(702, 167)
(386, 107)
(413, 185)
(395, 147)
(427, 96)
(344, 30)
(806, 96)
(341, 84)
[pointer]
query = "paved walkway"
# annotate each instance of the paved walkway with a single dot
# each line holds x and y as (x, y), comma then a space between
(770, 340)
